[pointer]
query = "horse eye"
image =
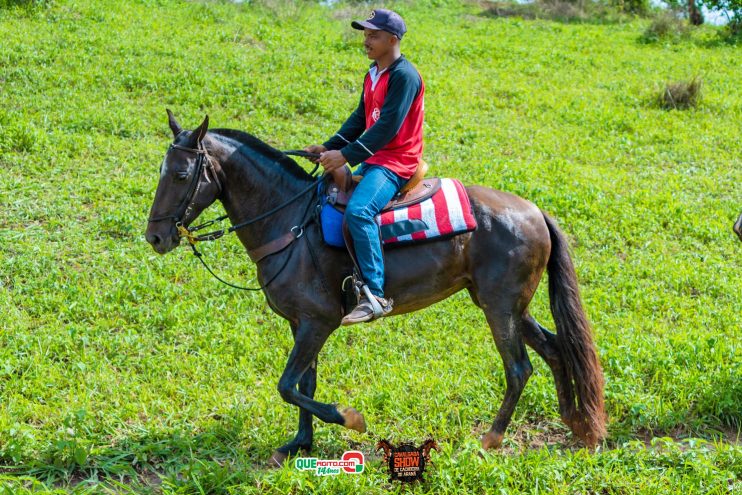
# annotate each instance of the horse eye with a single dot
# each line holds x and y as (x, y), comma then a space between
(181, 175)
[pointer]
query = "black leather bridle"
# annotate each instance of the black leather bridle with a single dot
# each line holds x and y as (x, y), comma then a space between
(203, 166)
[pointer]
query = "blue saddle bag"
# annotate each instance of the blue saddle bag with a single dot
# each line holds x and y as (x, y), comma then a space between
(331, 220)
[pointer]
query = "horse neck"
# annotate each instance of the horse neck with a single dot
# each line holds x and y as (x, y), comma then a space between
(254, 184)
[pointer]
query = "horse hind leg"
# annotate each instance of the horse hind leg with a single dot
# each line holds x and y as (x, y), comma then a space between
(509, 342)
(544, 343)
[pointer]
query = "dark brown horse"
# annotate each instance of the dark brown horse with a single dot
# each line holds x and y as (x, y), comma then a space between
(500, 263)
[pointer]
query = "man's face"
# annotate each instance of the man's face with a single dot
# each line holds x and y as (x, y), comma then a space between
(378, 43)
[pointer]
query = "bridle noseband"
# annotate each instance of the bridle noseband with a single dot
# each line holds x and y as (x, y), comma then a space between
(185, 207)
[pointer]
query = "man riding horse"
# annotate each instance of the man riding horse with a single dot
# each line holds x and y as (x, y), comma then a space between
(270, 201)
(385, 135)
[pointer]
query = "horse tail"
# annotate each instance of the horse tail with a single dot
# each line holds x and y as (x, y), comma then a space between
(574, 340)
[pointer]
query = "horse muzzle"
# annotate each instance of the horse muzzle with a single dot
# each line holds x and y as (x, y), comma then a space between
(162, 240)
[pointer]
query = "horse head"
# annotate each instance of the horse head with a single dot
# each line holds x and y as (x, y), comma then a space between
(189, 183)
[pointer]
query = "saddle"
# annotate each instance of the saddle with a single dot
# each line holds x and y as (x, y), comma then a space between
(418, 188)
(339, 191)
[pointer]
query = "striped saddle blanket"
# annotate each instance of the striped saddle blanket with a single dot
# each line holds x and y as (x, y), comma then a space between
(447, 212)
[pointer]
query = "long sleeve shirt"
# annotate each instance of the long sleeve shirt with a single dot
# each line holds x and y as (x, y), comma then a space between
(386, 127)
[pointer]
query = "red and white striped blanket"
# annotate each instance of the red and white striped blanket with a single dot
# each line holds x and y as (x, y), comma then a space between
(447, 212)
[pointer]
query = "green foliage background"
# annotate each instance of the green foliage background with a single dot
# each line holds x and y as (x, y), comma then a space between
(123, 370)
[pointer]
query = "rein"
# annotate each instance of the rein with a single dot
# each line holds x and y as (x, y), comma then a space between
(216, 234)
(261, 252)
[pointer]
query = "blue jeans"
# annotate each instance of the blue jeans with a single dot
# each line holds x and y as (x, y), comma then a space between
(378, 186)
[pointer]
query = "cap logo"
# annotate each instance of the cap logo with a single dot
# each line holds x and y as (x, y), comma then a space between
(371, 15)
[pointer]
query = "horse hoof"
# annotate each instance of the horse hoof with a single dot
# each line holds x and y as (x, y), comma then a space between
(353, 420)
(492, 440)
(277, 459)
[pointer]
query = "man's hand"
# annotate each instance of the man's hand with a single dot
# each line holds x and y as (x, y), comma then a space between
(332, 160)
(315, 148)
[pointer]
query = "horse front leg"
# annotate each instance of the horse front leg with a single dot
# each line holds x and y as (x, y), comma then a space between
(304, 436)
(301, 369)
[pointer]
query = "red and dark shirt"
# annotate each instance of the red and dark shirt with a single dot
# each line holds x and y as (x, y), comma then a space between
(387, 126)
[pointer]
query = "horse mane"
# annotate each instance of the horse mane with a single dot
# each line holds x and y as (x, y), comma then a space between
(289, 165)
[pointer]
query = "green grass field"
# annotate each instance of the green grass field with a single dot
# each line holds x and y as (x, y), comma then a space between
(123, 371)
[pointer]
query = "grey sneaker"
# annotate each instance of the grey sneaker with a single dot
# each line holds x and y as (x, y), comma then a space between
(365, 311)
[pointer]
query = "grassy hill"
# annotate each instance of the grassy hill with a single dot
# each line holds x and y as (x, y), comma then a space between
(125, 371)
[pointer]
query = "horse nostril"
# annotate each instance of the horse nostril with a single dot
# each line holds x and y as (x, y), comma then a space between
(153, 239)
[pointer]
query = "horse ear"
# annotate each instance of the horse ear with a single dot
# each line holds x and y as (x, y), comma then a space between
(174, 126)
(198, 133)
(203, 128)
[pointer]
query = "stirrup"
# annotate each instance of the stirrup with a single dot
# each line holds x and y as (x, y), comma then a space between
(378, 311)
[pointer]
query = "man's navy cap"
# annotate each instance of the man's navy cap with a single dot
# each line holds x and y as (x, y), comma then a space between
(384, 19)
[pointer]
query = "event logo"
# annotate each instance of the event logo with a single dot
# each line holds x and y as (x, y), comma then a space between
(351, 462)
(407, 462)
